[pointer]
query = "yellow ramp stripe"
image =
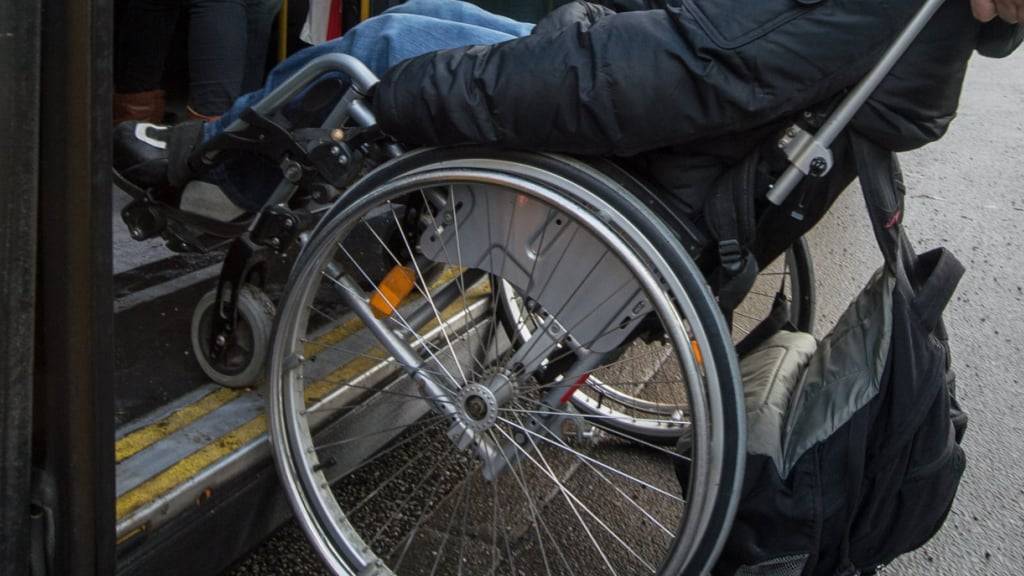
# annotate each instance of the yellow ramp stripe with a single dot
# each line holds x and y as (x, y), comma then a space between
(143, 438)
(189, 467)
(196, 462)
(332, 337)
(353, 325)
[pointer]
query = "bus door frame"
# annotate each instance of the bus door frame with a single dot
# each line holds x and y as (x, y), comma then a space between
(56, 308)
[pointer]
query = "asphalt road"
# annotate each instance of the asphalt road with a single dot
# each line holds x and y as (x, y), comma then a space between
(966, 193)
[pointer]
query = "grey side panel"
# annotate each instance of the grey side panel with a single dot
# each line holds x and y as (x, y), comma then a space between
(770, 375)
(844, 374)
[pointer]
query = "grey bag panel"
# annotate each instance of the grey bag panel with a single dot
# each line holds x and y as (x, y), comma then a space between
(784, 566)
(770, 375)
(844, 374)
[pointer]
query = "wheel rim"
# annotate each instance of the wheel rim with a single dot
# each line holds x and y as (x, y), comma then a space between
(333, 527)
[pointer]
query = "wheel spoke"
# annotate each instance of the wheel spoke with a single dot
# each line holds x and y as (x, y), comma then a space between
(440, 464)
(583, 456)
(569, 498)
(587, 417)
(618, 490)
(621, 434)
(401, 318)
(427, 421)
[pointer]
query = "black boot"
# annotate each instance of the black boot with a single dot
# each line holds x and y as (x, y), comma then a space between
(153, 158)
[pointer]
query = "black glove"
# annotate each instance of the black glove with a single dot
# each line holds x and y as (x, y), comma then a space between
(999, 39)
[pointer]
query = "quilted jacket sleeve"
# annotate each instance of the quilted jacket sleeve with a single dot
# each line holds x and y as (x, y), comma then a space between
(634, 5)
(641, 80)
(573, 13)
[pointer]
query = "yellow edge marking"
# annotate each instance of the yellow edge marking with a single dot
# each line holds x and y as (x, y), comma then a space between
(190, 466)
(143, 438)
(333, 337)
(196, 462)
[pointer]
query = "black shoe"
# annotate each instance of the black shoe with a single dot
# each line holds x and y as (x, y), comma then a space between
(154, 158)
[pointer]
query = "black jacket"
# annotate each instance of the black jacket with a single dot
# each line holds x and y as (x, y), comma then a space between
(689, 86)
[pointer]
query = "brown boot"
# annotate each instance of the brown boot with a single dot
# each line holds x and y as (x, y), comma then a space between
(139, 106)
(193, 115)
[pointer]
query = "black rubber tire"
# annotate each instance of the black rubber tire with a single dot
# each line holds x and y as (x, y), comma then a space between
(256, 317)
(805, 296)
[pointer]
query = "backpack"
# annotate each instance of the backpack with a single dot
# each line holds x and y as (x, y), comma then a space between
(854, 453)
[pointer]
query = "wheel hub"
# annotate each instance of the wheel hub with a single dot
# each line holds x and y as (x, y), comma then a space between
(478, 407)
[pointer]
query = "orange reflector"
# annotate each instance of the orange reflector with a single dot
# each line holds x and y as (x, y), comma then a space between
(398, 283)
(696, 352)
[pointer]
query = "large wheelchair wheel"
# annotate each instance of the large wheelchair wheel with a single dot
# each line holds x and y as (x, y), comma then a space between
(460, 450)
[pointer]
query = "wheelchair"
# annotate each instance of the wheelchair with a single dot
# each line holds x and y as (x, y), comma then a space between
(488, 361)
(532, 334)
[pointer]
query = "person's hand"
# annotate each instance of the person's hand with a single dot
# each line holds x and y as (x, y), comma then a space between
(1011, 11)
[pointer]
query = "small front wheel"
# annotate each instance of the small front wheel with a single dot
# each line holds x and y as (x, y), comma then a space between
(241, 361)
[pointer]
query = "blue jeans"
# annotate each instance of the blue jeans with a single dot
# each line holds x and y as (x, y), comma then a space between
(407, 30)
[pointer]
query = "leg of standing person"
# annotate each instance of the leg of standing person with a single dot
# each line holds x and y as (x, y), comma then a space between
(143, 30)
(217, 43)
(259, 22)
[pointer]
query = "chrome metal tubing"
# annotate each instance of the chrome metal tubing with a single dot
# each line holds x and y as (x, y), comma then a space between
(841, 117)
(361, 77)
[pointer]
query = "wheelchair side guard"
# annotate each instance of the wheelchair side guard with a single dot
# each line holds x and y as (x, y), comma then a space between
(548, 258)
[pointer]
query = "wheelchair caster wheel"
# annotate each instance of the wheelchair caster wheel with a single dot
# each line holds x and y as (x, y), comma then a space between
(241, 361)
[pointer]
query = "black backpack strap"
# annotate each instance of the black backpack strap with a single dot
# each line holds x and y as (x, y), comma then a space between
(881, 181)
(928, 280)
(730, 216)
(936, 275)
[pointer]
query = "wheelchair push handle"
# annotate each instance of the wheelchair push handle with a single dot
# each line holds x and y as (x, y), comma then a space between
(809, 155)
(361, 77)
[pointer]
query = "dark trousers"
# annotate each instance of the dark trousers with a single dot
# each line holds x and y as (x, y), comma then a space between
(227, 47)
